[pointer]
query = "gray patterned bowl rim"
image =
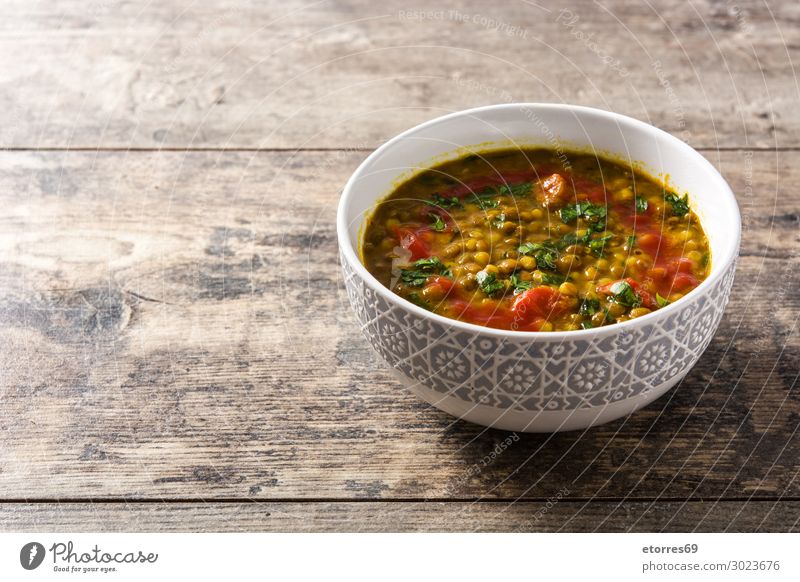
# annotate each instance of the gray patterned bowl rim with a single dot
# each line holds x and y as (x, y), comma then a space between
(719, 266)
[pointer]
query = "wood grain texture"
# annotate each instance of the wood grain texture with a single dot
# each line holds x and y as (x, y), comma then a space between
(351, 73)
(561, 516)
(177, 352)
(170, 332)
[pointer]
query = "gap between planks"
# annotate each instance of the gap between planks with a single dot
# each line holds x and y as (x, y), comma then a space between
(399, 500)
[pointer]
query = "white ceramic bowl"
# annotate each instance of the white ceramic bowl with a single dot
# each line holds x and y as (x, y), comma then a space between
(545, 381)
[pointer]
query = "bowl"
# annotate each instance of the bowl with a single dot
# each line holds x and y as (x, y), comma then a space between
(540, 381)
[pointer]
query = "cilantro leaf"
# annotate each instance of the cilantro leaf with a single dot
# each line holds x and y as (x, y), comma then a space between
(624, 294)
(421, 270)
(489, 283)
(589, 307)
(519, 285)
(444, 203)
(487, 198)
(545, 253)
(438, 223)
(641, 205)
(553, 279)
(680, 206)
(570, 213)
(486, 201)
(597, 246)
(499, 220)
(593, 213)
(631, 240)
(515, 189)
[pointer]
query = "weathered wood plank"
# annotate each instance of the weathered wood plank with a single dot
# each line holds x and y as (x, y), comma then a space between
(532, 516)
(352, 72)
(169, 331)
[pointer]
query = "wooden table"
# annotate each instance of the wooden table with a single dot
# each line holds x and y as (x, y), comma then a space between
(177, 348)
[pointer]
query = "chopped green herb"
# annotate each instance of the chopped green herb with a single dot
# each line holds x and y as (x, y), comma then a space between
(553, 279)
(592, 213)
(421, 270)
(582, 210)
(499, 220)
(624, 294)
(444, 203)
(589, 307)
(631, 240)
(489, 283)
(519, 285)
(545, 253)
(487, 198)
(680, 206)
(661, 301)
(598, 245)
(438, 223)
(587, 325)
(704, 260)
(515, 190)
(641, 205)
(572, 239)
(486, 201)
(570, 213)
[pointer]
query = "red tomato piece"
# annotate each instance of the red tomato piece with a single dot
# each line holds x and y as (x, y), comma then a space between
(683, 265)
(684, 281)
(488, 315)
(542, 302)
(588, 190)
(414, 241)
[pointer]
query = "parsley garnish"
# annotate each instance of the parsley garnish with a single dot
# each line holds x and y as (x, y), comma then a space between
(421, 270)
(589, 307)
(545, 253)
(438, 223)
(553, 279)
(519, 285)
(486, 201)
(598, 245)
(489, 283)
(661, 301)
(623, 293)
(587, 210)
(680, 206)
(444, 203)
(487, 198)
(515, 190)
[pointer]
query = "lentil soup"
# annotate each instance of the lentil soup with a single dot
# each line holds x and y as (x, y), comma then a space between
(532, 240)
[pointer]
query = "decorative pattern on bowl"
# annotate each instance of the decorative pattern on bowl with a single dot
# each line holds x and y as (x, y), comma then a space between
(534, 373)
